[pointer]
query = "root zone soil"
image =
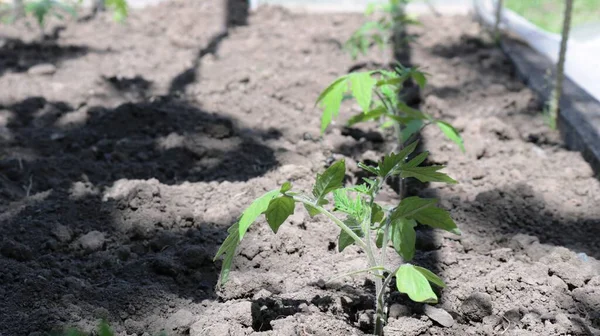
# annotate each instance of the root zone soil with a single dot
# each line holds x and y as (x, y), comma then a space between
(122, 167)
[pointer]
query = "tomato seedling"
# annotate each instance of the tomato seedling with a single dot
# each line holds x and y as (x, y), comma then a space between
(378, 32)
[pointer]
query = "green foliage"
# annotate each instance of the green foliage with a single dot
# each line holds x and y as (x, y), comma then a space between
(376, 92)
(361, 220)
(412, 282)
(119, 7)
(102, 330)
(40, 9)
(378, 31)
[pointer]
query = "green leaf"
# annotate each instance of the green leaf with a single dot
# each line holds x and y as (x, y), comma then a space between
(419, 78)
(312, 211)
(426, 174)
(413, 283)
(411, 112)
(404, 237)
(279, 210)
(369, 115)
(451, 133)
(410, 128)
(391, 161)
(437, 218)
(331, 179)
(370, 169)
(361, 85)
(237, 231)
(354, 207)
(331, 99)
(377, 213)
(434, 279)
(416, 161)
(285, 187)
(344, 240)
(255, 209)
(410, 206)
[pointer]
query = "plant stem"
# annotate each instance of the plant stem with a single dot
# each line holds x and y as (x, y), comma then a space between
(560, 67)
(499, 6)
(334, 219)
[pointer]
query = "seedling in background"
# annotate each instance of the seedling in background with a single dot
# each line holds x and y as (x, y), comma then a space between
(362, 221)
(40, 9)
(376, 92)
(378, 32)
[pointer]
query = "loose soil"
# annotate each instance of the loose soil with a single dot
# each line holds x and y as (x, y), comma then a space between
(127, 150)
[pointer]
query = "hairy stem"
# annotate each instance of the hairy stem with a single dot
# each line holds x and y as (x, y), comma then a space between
(334, 219)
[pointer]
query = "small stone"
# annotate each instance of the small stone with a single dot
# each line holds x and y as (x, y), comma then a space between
(91, 241)
(439, 315)
(62, 233)
(180, 321)
(42, 69)
(14, 250)
(407, 326)
(477, 306)
(397, 310)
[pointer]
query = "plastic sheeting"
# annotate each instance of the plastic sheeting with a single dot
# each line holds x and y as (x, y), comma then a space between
(583, 57)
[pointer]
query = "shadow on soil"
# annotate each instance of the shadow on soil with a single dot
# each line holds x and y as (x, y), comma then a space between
(19, 56)
(236, 14)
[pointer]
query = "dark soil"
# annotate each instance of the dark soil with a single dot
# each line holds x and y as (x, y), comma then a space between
(122, 166)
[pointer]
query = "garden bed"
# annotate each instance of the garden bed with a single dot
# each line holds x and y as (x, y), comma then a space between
(122, 168)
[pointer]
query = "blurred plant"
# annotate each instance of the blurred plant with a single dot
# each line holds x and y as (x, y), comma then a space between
(378, 32)
(119, 8)
(40, 9)
(499, 8)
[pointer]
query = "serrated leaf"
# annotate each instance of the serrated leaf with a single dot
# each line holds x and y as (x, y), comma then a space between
(361, 85)
(370, 169)
(410, 128)
(331, 179)
(416, 161)
(331, 100)
(427, 174)
(413, 283)
(451, 133)
(437, 218)
(312, 211)
(285, 187)
(369, 115)
(404, 237)
(434, 279)
(354, 207)
(255, 209)
(391, 161)
(360, 188)
(344, 240)
(410, 206)
(279, 210)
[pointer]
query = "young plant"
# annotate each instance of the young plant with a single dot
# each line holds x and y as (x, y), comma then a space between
(362, 221)
(40, 9)
(378, 32)
(376, 93)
